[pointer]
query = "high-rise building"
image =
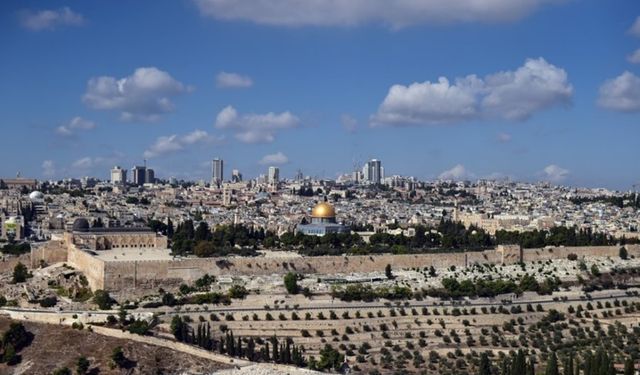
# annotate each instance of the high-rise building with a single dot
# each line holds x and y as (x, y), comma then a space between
(365, 172)
(217, 172)
(274, 175)
(118, 175)
(373, 172)
(149, 176)
(138, 175)
(236, 176)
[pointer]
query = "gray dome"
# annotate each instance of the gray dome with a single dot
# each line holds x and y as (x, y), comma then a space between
(81, 225)
(36, 196)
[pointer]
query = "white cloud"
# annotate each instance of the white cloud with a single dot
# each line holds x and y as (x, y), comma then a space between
(504, 137)
(50, 19)
(274, 159)
(635, 28)
(621, 93)
(255, 128)
(76, 123)
(458, 172)
(511, 95)
(233, 80)
(349, 123)
(83, 163)
(395, 13)
(143, 96)
(48, 168)
(634, 58)
(554, 173)
(174, 143)
(89, 164)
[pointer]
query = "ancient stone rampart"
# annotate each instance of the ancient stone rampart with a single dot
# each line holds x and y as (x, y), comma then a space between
(154, 274)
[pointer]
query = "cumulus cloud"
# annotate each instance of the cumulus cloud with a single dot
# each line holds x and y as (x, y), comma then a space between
(511, 95)
(621, 94)
(50, 19)
(395, 13)
(143, 96)
(635, 28)
(274, 159)
(504, 137)
(554, 173)
(89, 164)
(233, 80)
(458, 172)
(349, 123)
(175, 143)
(48, 168)
(83, 163)
(255, 128)
(76, 123)
(634, 58)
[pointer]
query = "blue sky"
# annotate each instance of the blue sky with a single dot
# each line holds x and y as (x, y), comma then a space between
(538, 90)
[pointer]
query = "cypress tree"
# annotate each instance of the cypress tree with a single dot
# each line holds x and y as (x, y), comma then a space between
(628, 366)
(267, 355)
(552, 365)
(485, 365)
(276, 355)
(251, 347)
(568, 365)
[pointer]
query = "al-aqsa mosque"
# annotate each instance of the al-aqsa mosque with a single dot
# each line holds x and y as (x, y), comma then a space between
(323, 221)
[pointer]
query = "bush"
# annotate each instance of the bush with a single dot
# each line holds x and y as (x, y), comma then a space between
(624, 254)
(139, 327)
(572, 257)
(238, 292)
(48, 301)
(118, 358)
(20, 273)
(291, 283)
(102, 299)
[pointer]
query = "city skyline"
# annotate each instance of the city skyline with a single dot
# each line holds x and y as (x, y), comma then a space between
(528, 92)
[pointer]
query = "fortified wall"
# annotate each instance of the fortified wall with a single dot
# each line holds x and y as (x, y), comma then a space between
(84, 249)
(151, 275)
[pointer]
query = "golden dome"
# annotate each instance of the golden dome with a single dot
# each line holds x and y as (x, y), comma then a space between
(323, 210)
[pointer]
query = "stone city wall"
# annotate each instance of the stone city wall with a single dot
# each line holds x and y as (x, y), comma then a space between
(92, 267)
(167, 274)
(54, 251)
(530, 255)
(151, 275)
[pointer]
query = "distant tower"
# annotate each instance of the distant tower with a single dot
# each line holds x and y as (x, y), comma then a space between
(375, 171)
(149, 176)
(236, 176)
(138, 175)
(118, 175)
(274, 175)
(217, 172)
